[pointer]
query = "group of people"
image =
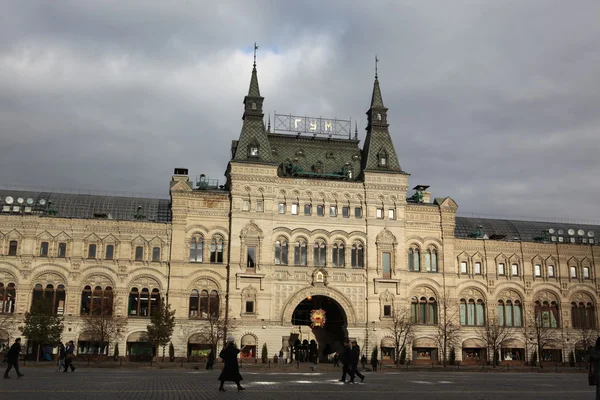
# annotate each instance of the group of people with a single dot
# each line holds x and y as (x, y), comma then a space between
(350, 359)
(65, 358)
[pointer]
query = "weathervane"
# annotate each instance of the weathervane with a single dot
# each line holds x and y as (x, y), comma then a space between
(255, 48)
(376, 61)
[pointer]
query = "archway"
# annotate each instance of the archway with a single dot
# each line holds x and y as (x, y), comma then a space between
(331, 335)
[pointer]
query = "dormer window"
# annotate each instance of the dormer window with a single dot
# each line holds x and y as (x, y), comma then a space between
(382, 158)
(254, 106)
(253, 149)
(378, 117)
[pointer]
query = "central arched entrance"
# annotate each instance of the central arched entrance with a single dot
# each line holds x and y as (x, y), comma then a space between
(329, 337)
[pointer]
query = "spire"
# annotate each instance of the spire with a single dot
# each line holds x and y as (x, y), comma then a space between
(269, 126)
(376, 99)
(355, 130)
(253, 90)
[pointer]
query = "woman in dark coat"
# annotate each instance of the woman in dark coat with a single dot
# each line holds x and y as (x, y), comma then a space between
(231, 369)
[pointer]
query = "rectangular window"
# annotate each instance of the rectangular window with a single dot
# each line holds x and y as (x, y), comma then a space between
(537, 270)
(551, 271)
(463, 267)
(346, 212)
(139, 253)
(307, 209)
(92, 251)
(392, 213)
(110, 250)
(156, 254)
(62, 250)
(44, 249)
(249, 307)
(379, 213)
(246, 205)
(386, 260)
(387, 311)
(251, 257)
(573, 272)
(333, 211)
(515, 269)
(281, 208)
(586, 273)
(12, 248)
(357, 212)
(260, 206)
(500, 269)
(477, 268)
(294, 209)
(320, 210)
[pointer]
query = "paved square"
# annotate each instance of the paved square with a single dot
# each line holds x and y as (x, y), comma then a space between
(90, 383)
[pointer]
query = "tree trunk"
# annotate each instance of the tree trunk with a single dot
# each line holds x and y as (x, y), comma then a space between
(37, 357)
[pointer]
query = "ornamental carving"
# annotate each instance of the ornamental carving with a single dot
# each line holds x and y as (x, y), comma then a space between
(251, 230)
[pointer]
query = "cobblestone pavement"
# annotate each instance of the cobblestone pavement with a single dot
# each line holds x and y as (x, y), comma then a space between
(90, 383)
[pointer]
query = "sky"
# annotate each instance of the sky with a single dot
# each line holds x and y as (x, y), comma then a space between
(493, 103)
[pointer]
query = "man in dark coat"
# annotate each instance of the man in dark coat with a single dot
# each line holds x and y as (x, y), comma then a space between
(354, 367)
(12, 358)
(70, 353)
(231, 369)
(210, 360)
(346, 361)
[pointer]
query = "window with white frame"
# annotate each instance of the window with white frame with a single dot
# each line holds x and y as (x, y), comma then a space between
(294, 208)
(537, 270)
(573, 272)
(515, 269)
(260, 206)
(551, 271)
(477, 268)
(281, 208)
(500, 268)
(586, 272)
(379, 213)
(463, 267)
(392, 213)
(246, 205)
(333, 211)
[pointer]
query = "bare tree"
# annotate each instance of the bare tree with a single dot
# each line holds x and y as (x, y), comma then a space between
(586, 337)
(447, 325)
(214, 328)
(495, 337)
(7, 324)
(401, 328)
(542, 333)
(102, 325)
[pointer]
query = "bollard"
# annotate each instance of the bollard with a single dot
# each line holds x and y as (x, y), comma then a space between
(120, 361)
(269, 364)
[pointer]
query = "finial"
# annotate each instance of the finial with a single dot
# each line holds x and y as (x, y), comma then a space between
(376, 61)
(255, 48)
(355, 130)
(269, 126)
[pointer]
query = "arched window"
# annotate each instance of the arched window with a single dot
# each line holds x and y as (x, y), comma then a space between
(510, 313)
(300, 253)
(320, 253)
(339, 254)
(213, 304)
(8, 297)
(96, 302)
(281, 252)
(414, 259)
(110, 252)
(52, 297)
(196, 249)
(358, 255)
(216, 250)
(194, 303)
(204, 305)
(546, 314)
(424, 311)
(12, 247)
(431, 262)
(144, 303)
(583, 315)
(472, 313)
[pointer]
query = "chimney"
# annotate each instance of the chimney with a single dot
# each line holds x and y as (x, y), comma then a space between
(179, 174)
(426, 197)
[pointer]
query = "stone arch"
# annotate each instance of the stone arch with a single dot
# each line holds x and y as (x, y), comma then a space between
(247, 333)
(547, 294)
(49, 276)
(296, 298)
(359, 234)
(10, 273)
(204, 282)
(473, 290)
(579, 294)
(91, 276)
(339, 232)
(206, 274)
(321, 232)
(386, 237)
(509, 291)
(413, 238)
(386, 296)
(251, 230)
(282, 230)
(424, 289)
(217, 229)
(145, 280)
(431, 239)
(196, 228)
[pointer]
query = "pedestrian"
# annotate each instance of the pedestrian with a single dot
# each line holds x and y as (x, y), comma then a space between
(336, 360)
(346, 361)
(12, 358)
(69, 354)
(231, 369)
(210, 361)
(363, 362)
(594, 372)
(354, 367)
(62, 353)
(374, 362)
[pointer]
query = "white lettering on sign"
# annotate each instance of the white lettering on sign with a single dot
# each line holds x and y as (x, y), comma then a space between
(328, 126)
(313, 125)
(296, 121)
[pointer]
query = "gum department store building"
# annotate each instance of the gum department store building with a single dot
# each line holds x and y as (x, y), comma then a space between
(303, 222)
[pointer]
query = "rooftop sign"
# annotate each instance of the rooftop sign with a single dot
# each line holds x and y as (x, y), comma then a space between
(316, 126)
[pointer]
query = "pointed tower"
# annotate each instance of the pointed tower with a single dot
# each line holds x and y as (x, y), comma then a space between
(253, 144)
(379, 154)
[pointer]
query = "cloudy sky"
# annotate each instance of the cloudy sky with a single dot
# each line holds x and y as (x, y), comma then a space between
(494, 103)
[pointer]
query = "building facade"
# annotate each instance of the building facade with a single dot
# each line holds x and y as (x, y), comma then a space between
(303, 223)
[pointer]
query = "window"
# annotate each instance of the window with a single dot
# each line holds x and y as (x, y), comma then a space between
(463, 267)
(12, 248)
(307, 209)
(139, 253)
(537, 270)
(62, 250)
(320, 210)
(281, 252)
(91, 251)
(281, 208)
(472, 313)
(424, 311)
(320, 254)
(346, 212)
(382, 156)
(196, 249)
(546, 314)
(253, 151)
(156, 254)
(431, 263)
(583, 315)
(245, 205)
(551, 271)
(8, 295)
(586, 272)
(216, 250)
(510, 313)
(110, 252)
(339, 255)
(144, 303)
(44, 249)
(501, 269)
(573, 272)
(392, 213)
(515, 269)
(357, 212)
(203, 304)
(55, 298)
(357, 256)
(333, 211)
(300, 253)
(477, 268)
(251, 257)
(379, 213)
(294, 208)
(249, 307)
(96, 302)
(414, 259)
(387, 310)
(386, 261)
(260, 206)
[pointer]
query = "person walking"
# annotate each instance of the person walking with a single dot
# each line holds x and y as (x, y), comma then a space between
(346, 361)
(594, 373)
(12, 359)
(354, 366)
(62, 353)
(363, 362)
(231, 369)
(70, 352)
(336, 360)
(374, 362)
(210, 361)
